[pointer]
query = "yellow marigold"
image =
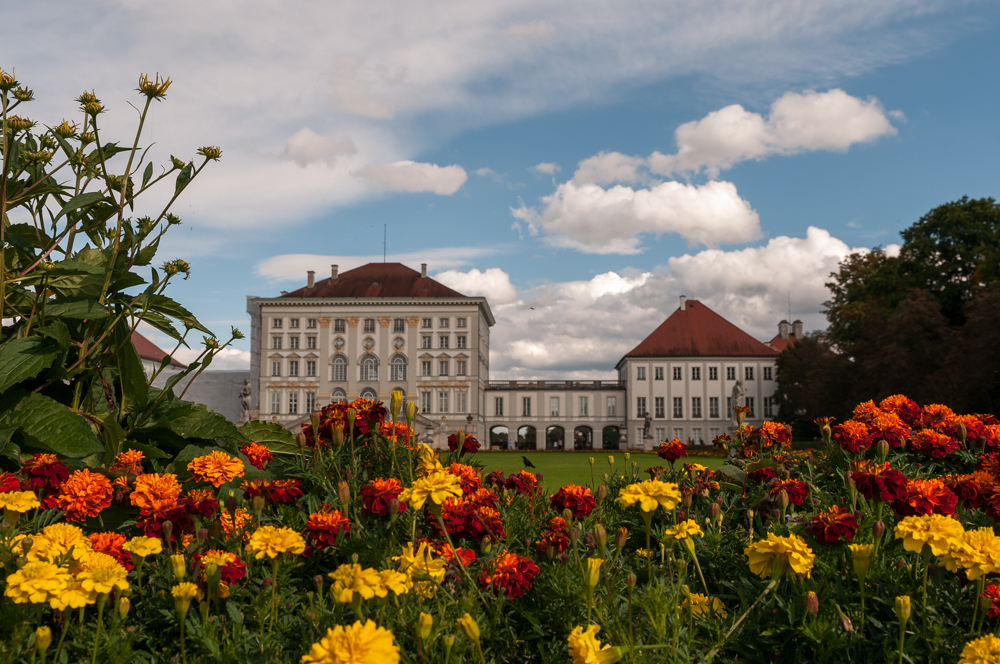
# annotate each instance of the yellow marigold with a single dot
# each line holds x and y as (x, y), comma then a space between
(424, 570)
(59, 539)
(438, 485)
(703, 605)
(84, 494)
(585, 648)
(683, 530)
(778, 555)
(19, 501)
(397, 582)
(216, 468)
(103, 574)
(935, 530)
(74, 596)
(272, 542)
(984, 650)
(155, 491)
(143, 546)
(427, 460)
(183, 594)
(356, 644)
(977, 552)
(650, 494)
(129, 461)
(36, 583)
(353, 580)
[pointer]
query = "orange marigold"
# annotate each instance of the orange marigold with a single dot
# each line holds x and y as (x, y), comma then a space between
(905, 408)
(510, 572)
(865, 412)
(230, 525)
(111, 544)
(553, 540)
(796, 490)
(258, 455)
(84, 494)
(933, 444)
(324, 525)
(129, 461)
(925, 497)
(216, 468)
(852, 436)
(888, 427)
(468, 476)
(772, 434)
(155, 492)
(378, 493)
(829, 526)
(398, 432)
(522, 482)
(937, 416)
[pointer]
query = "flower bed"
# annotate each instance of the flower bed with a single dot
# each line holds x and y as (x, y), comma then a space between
(368, 547)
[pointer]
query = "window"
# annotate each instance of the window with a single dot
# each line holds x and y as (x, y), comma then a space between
(311, 323)
(276, 342)
(275, 403)
(369, 325)
(768, 375)
(338, 369)
(310, 371)
(768, 407)
(584, 406)
(425, 367)
(713, 373)
(293, 403)
(443, 367)
(443, 322)
(713, 406)
(679, 433)
(713, 433)
(443, 401)
(369, 368)
(640, 406)
(293, 342)
(442, 341)
(659, 409)
(310, 402)
(729, 406)
(498, 406)
(730, 373)
(460, 367)
(679, 407)
(526, 406)
(276, 367)
(397, 368)
(459, 322)
(339, 324)
(425, 341)
(425, 402)
(293, 323)
(661, 434)
(696, 435)
(461, 341)
(461, 401)
(554, 406)
(695, 406)
(398, 325)
(612, 406)
(640, 373)
(658, 373)
(677, 373)
(338, 395)
(750, 406)
(311, 342)
(748, 372)
(695, 373)
(293, 367)
(426, 323)
(276, 323)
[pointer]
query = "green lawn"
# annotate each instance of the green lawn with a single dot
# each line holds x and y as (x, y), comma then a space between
(561, 468)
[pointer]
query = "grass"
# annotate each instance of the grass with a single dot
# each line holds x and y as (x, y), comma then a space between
(561, 468)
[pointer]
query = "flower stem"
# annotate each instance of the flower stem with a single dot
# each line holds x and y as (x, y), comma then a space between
(274, 589)
(902, 637)
(101, 599)
(770, 586)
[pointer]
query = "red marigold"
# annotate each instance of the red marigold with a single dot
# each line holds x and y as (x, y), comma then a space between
(111, 544)
(925, 497)
(796, 490)
(672, 450)
(9, 482)
(937, 416)
(284, 491)
(377, 494)
(511, 572)
(722, 439)
(483, 497)
(990, 463)
(577, 499)
(122, 489)
(397, 431)
(852, 436)
(771, 434)
(973, 427)
(470, 445)
(877, 481)
(905, 408)
(829, 526)
(200, 502)
(495, 479)
(970, 488)
(889, 427)
(468, 476)
(44, 470)
(457, 556)
(933, 444)
(151, 522)
(522, 482)
(992, 593)
(763, 475)
(129, 461)
(467, 520)
(258, 455)
(324, 525)
(554, 536)
(991, 434)
(369, 418)
(84, 494)
(232, 570)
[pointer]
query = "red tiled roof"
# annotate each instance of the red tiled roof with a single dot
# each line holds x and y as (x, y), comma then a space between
(699, 331)
(377, 280)
(779, 344)
(149, 351)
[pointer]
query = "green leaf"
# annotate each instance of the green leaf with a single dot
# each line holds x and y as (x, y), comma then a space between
(79, 201)
(168, 307)
(184, 177)
(191, 421)
(147, 253)
(49, 423)
(272, 436)
(75, 307)
(736, 473)
(25, 358)
(132, 377)
(162, 323)
(761, 465)
(147, 174)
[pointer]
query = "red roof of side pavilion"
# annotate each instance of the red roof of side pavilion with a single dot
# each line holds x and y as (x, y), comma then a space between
(149, 351)
(377, 280)
(697, 331)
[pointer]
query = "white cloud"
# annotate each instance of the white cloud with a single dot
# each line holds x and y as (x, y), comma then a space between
(486, 172)
(608, 167)
(416, 177)
(592, 219)
(293, 267)
(228, 359)
(533, 29)
(492, 283)
(307, 146)
(545, 168)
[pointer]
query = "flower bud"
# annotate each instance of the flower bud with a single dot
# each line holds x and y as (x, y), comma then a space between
(627, 456)
(846, 624)
(395, 403)
(424, 623)
(567, 514)
(393, 510)
(812, 603)
(591, 460)
(449, 641)
(351, 416)
(257, 504)
(318, 580)
(486, 544)
(630, 581)
(783, 500)
(202, 535)
(687, 498)
(611, 460)
(123, 606)
(714, 511)
(266, 583)
(550, 552)
(620, 537)
(862, 555)
(601, 533)
(469, 627)
(168, 528)
(337, 435)
(178, 566)
(300, 439)
(43, 638)
(962, 433)
(344, 493)
(592, 574)
(602, 492)
(882, 448)
(574, 534)
(903, 608)
(411, 411)
(231, 504)
(878, 529)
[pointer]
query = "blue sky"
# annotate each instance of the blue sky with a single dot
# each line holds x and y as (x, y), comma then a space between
(856, 119)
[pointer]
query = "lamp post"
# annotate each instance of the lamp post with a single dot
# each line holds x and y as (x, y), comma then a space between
(468, 426)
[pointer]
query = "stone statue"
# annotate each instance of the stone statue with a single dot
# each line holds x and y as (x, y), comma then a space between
(646, 422)
(245, 401)
(738, 393)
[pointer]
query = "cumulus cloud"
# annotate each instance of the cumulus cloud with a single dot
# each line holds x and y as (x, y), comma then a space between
(293, 267)
(492, 283)
(608, 167)
(596, 220)
(545, 168)
(306, 146)
(416, 177)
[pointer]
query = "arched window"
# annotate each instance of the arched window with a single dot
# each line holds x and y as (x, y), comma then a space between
(369, 393)
(555, 438)
(338, 370)
(499, 436)
(369, 367)
(583, 438)
(526, 438)
(611, 436)
(397, 368)
(338, 395)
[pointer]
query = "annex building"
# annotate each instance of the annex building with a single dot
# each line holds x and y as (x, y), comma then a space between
(384, 327)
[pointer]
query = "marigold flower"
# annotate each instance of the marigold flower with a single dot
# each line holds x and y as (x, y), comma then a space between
(58, 540)
(283, 491)
(19, 501)
(903, 608)
(577, 499)
(905, 408)
(467, 520)
(992, 593)
(216, 468)
(984, 650)
(990, 464)
(511, 572)
(9, 483)
(112, 544)
(378, 493)
(423, 568)
(778, 555)
(889, 427)
(350, 581)
(143, 546)
(470, 445)
(396, 432)
(861, 555)
(231, 523)
(852, 436)
(258, 455)
(200, 502)
(183, 593)
(991, 433)
(427, 460)
(703, 605)
(829, 526)
(357, 644)
(84, 494)
(44, 470)
(772, 434)
(397, 582)
(972, 488)
(103, 574)
(554, 536)
(585, 648)
(231, 568)
(155, 492)
(272, 542)
(592, 573)
(977, 552)
(523, 482)
(671, 450)
(683, 530)
(926, 497)
(933, 444)
(437, 486)
(940, 533)
(467, 475)
(155, 89)
(649, 495)
(129, 461)
(36, 583)
(937, 417)
(324, 525)
(877, 481)
(795, 489)
(369, 418)
(469, 627)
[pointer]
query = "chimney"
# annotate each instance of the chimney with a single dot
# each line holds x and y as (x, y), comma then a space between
(333, 272)
(783, 329)
(423, 270)
(797, 329)
(684, 302)
(310, 278)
